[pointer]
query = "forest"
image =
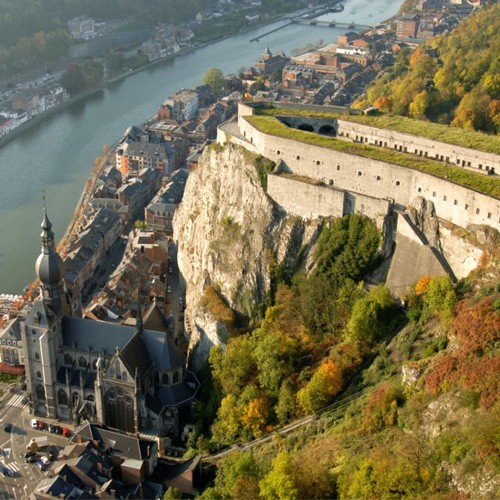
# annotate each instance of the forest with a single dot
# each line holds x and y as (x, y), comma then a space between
(417, 386)
(35, 31)
(453, 79)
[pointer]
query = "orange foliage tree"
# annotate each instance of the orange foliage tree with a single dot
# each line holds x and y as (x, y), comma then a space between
(475, 364)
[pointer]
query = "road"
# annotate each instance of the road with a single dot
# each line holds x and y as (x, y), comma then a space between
(173, 284)
(13, 445)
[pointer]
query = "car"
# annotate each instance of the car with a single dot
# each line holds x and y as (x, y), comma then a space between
(66, 432)
(29, 453)
(169, 289)
(41, 425)
(51, 429)
(6, 472)
(41, 465)
(34, 423)
(31, 459)
(170, 270)
(52, 453)
(57, 429)
(7, 427)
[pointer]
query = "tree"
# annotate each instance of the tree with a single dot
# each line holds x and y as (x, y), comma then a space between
(256, 415)
(73, 79)
(324, 384)
(237, 476)
(215, 78)
(420, 104)
(280, 481)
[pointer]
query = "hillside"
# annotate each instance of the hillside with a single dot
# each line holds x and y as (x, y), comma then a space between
(457, 84)
(294, 328)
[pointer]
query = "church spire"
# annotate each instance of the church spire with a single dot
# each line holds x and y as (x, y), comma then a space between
(138, 321)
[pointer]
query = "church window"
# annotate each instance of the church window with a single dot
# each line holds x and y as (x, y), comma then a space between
(82, 362)
(176, 378)
(124, 376)
(40, 392)
(62, 397)
(37, 356)
(38, 375)
(165, 379)
(68, 360)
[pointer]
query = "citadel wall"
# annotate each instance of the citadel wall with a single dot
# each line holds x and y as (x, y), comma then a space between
(373, 178)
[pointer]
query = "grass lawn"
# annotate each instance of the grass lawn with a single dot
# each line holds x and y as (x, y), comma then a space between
(423, 128)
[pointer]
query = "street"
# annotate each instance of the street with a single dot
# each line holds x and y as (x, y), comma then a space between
(12, 446)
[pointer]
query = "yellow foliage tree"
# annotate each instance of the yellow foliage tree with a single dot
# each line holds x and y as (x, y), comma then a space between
(422, 284)
(256, 415)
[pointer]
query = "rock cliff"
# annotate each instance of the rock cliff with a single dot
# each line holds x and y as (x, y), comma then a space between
(230, 234)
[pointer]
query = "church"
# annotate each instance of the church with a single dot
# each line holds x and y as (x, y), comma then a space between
(131, 378)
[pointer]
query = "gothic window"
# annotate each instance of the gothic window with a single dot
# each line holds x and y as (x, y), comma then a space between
(82, 362)
(37, 356)
(68, 360)
(38, 375)
(165, 379)
(119, 409)
(40, 392)
(62, 397)
(176, 378)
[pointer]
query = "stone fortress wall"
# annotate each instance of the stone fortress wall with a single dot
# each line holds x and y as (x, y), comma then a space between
(363, 177)
(470, 159)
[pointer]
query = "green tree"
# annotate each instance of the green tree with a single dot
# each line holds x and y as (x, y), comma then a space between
(280, 481)
(215, 78)
(73, 79)
(239, 471)
(440, 296)
(115, 61)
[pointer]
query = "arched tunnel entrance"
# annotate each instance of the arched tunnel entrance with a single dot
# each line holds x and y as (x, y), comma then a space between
(328, 130)
(306, 127)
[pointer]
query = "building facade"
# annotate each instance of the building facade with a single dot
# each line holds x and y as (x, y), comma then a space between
(128, 378)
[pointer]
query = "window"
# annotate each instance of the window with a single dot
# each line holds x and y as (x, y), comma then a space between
(82, 362)
(434, 194)
(37, 356)
(278, 152)
(466, 206)
(298, 157)
(419, 190)
(176, 377)
(318, 162)
(478, 211)
(445, 198)
(360, 173)
(124, 376)
(378, 177)
(489, 215)
(62, 397)
(38, 375)
(455, 202)
(165, 379)
(397, 183)
(68, 360)
(338, 167)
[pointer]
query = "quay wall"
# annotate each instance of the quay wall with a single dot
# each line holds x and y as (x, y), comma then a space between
(457, 204)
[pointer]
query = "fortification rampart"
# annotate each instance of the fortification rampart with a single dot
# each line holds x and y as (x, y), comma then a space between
(310, 201)
(373, 178)
(471, 159)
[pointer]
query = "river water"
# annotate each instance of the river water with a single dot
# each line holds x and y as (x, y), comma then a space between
(58, 155)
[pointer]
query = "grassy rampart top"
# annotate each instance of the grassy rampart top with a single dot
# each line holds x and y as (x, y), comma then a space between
(481, 183)
(422, 128)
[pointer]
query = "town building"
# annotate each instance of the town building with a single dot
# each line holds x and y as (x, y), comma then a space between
(407, 25)
(130, 378)
(82, 28)
(269, 62)
(181, 106)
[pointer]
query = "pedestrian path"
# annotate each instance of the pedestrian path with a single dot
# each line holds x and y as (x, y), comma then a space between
(16, 400)
(12, 466)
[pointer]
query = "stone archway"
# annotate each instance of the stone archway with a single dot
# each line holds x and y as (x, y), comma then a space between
(306, 127)
(328, 130)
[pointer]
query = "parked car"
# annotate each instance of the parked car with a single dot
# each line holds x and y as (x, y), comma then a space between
(6, 472)
(29, 453)
(41, 425)
(34, 423)
(52, 453)
(41, 465)
(66, 432)
(51, 429)
(31, 459)
(57, 429)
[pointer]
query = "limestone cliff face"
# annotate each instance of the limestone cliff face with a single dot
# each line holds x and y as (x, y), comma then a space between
(231, 234)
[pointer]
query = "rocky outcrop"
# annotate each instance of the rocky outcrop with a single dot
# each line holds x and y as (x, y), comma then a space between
(230, 234)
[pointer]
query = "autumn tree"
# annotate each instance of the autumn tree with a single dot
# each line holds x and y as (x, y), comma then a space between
(324, 384)
(280, 482)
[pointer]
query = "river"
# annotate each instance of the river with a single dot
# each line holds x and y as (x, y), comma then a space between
(58, 155)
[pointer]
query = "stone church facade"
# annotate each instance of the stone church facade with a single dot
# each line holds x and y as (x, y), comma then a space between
(129, 378)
